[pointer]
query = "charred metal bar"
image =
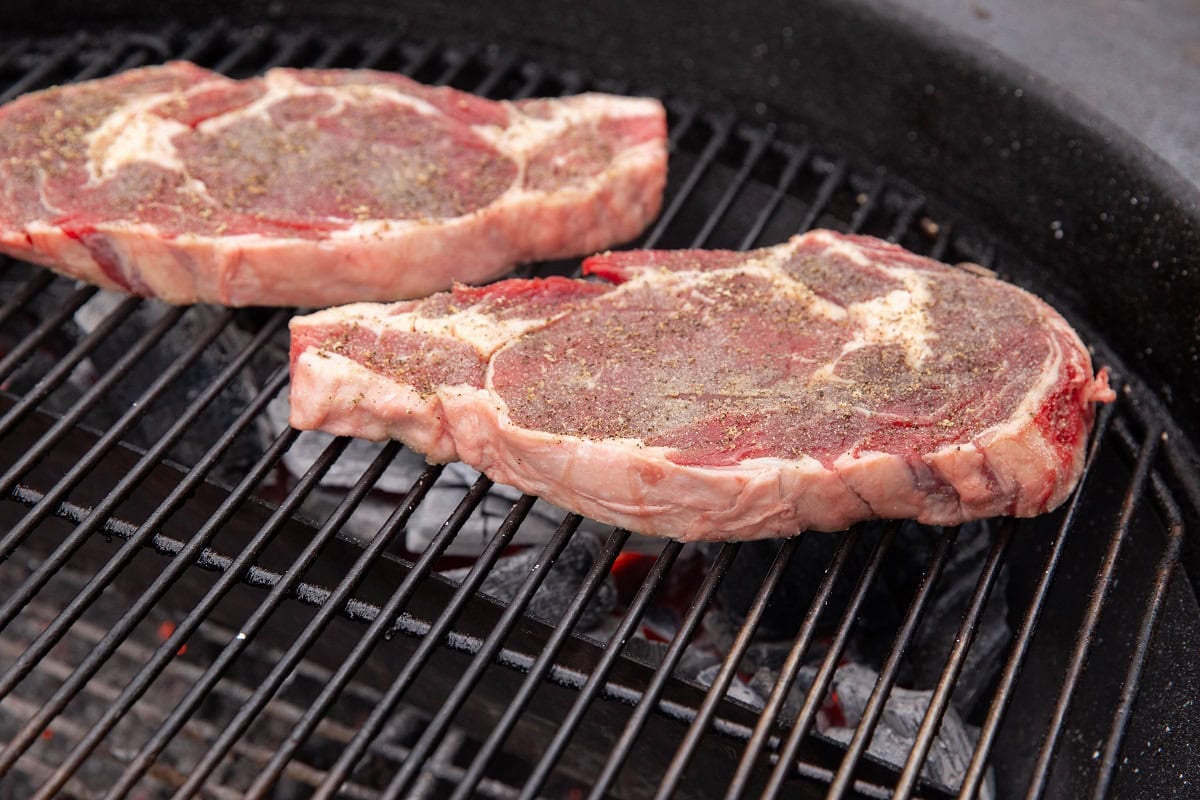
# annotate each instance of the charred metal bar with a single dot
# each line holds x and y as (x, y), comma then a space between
(887, 676)
(1083, 642)
(683, 636)
(433, 638)
(791, 666)
(1003, 696)
(545, 660)
(612, 650)
(816, 693)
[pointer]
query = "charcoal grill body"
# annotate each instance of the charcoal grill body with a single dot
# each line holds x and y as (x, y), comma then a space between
(906, 110)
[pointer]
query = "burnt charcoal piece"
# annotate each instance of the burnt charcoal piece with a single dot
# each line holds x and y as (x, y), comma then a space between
(560, 585)
(897, 729)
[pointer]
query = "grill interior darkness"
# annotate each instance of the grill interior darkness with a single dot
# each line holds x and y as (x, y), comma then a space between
(184, 615)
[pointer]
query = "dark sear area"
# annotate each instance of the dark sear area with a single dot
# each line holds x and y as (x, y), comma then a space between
(200, 601)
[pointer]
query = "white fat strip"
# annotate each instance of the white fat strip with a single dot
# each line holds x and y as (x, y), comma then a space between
(526, 133)
(896, 318)
(482, 331)
(131, 134)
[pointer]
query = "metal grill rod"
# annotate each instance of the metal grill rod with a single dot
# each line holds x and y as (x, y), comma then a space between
(796, 158)
(820, 687)
(720, 685)
(33, 78)
(182, 559)
(832, 181)
(612, 649)
(873, 710)
(13, 358)
(722, 126)
(68, 421)
(118, 493)
(1041, 770)
(1167, 564)
(286, 663)
(791, 666)
(249, 628)
(932, 720)
(759, 141)
(19, 299)
(250, 552)
(649, 701)
(595, 576)
(380, 626)
(437, 632)
(66, 364)
(973, 778)
(438, 726)
(97, 516)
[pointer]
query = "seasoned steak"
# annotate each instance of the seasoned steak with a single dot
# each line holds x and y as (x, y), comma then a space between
(315, 187)
(722, 395)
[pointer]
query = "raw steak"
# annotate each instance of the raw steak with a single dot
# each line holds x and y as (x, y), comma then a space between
(315, 187)
(722, 395)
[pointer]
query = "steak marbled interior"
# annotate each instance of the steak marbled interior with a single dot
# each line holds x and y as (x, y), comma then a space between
(812, 384)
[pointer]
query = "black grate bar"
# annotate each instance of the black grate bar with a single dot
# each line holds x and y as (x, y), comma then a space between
(67, 422)
(791, 666)
(19, 299)
(891, 667)
(797, 156)
(944, 233)
(292, 45)
(34, 338)
(612, 650)
(147, 462)
(104, 62)
(868, 201)
(437, 632)
(722, 126)
(824, 195)
(14, 51)
(658, 681)
(973, 779)
(463, 686)
(534, 75)
(330, 50)
(502, 67)
(62, 369)
(376, 50)
(1041, 770)
(720, 684)
(92, 662)
(760, 139)
(380, 626)
(134, 541)
(251, 41)
(202, 40)
(282, 588)
(182, 559)
(904, 219)
(824, 677)
(231, 575)
(932, 720)
(516, 706)
(112, 436)
(456, 62)
(34, 78)
(1167, 565)
(288, 661)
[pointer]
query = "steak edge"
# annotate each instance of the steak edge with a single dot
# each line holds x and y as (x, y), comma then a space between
(315, 187)
(713, 395)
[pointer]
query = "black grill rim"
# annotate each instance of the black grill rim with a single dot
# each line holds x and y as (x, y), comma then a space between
(1144, 447)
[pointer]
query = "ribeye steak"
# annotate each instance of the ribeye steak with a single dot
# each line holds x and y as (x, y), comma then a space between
(315, 187)
(724, 395)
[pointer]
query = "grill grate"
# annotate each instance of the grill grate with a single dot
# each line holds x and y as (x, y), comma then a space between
(418, 686)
